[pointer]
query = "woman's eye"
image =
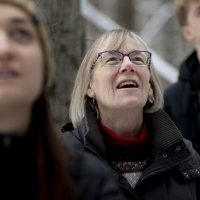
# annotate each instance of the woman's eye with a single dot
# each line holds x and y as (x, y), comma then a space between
(21, 35)
(138, 60)
(112, 60)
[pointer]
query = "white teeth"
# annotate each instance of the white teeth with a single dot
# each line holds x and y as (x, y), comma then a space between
(127, 83)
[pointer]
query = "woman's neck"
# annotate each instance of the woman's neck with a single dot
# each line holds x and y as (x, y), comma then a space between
(124, 123)
(14, 120)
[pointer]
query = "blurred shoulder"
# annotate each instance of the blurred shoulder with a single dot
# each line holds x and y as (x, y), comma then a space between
(173, 89)
(94, 178)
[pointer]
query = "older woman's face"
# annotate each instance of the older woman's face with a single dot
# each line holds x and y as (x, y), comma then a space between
(21, 59)
(123, 86)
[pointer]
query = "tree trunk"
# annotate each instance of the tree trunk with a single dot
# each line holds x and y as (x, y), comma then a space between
(66, 31)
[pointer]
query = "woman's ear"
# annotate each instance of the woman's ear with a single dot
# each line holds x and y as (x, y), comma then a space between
(150, 94)
(90, 92)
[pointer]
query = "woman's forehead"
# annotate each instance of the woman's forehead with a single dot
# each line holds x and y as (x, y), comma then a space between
(126, 45)
(12, 15)
(131, 46)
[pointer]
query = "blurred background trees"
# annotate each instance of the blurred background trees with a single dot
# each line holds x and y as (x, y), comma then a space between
(75, 24)
(66, 29)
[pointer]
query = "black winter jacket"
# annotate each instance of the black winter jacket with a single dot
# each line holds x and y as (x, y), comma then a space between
(173, 169)
(18, 172)
(182, 100)
(93, 179)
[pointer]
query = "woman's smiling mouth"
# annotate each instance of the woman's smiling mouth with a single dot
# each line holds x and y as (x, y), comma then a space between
(127, 84)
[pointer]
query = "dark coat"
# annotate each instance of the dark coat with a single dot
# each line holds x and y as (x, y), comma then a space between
(173, 169)
(18, 172)
(94, 180)
(182, 100)
(18, 166)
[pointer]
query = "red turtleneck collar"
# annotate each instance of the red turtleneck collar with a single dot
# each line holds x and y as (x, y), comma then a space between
(118, 140)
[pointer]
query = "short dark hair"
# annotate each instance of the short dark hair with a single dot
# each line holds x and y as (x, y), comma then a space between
(182, 8)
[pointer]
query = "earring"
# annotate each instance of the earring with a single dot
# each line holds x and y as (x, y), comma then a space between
(150, 101)
(94, 101)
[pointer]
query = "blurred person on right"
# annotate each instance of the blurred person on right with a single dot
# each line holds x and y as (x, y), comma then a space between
(182, 99)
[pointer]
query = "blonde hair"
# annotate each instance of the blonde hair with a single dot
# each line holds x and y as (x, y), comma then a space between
(111, 40)
(182, 7)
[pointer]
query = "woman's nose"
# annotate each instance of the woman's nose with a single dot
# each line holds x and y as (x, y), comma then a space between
(127, 65)
(5, 46)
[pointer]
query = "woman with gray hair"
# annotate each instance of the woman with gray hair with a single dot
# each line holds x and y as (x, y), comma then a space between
(116, 112)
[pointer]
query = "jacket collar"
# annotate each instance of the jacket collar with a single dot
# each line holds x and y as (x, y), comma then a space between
(190, 68)
(92, 127)
(163, 131)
